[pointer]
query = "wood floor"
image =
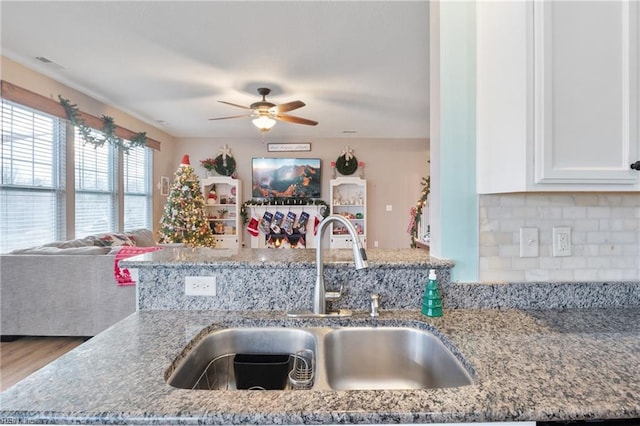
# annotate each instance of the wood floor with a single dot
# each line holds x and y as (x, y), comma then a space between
(25, 355)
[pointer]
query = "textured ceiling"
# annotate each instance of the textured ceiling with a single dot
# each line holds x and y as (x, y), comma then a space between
(359, 66)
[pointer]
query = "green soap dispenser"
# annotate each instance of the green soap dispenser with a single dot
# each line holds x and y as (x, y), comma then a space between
(432, 301)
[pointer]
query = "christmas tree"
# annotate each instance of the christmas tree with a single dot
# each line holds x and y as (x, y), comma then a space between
(184, 219)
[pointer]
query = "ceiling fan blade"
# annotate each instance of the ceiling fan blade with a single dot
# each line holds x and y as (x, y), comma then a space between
(288, 106)
(294, 119)
(233, 116)
(235, 105)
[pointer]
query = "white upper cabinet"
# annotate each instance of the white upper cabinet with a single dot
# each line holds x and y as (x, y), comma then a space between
(558, 89)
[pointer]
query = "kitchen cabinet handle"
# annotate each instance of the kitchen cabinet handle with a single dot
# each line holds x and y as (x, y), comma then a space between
(636, 165)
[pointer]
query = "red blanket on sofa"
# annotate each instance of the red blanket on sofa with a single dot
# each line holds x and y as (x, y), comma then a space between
(123, 277)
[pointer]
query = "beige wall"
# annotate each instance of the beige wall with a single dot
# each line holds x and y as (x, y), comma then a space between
(393, 169)
(163, 160)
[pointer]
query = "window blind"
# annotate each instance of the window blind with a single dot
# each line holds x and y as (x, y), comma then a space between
(33, 186)
(137, 188)
(96, 188)
(32, 190)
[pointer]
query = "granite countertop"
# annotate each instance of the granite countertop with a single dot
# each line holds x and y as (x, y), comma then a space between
(527, 365)
(251, 258)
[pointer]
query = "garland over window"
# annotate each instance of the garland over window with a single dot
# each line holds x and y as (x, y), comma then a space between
(108, 130)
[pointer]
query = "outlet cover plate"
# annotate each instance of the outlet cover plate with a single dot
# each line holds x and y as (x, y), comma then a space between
(200, 286)
(561, 241)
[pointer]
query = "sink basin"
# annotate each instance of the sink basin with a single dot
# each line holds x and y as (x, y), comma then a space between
(210, 364)
(349, 358)
(390, 358)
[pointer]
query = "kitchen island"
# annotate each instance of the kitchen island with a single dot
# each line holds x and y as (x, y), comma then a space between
(526, 364)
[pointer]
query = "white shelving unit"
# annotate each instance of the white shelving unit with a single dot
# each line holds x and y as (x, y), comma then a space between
(222, 203)
(349, 199)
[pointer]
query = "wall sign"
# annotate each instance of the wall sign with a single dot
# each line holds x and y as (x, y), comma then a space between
(285, 147)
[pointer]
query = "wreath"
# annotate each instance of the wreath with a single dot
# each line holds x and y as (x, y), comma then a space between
(224, 165)
(347, 166)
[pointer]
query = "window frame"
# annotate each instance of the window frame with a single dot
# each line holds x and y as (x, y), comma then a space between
(65, 228)
(49, 140)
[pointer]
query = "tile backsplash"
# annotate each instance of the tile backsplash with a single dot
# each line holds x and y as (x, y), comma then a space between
(605, 236)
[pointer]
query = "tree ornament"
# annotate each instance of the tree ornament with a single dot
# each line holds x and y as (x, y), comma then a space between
(347, 163)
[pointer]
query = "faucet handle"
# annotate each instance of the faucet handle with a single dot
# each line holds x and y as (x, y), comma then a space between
(375, 304)
(333, 295)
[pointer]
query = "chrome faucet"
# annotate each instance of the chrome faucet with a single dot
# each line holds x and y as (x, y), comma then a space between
(359, 258)
(320, 295)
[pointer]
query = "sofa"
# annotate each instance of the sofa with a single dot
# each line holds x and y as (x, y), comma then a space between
(66, 288)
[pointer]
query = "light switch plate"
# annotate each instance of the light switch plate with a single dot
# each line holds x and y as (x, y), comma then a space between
(529, 244)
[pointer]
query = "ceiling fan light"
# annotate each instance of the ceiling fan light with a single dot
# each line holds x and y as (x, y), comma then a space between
(264, 123)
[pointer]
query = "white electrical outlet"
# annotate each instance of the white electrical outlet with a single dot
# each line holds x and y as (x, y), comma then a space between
(561, 241)
(529, 244)
(200, 286)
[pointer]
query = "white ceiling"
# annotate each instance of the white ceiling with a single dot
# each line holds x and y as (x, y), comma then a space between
(359, 66)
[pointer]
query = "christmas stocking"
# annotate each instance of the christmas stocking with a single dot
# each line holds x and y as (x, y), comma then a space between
(276, 222)
(301, 226)
(265, 223)
(316, 221)
(253, 227)
(287, 226)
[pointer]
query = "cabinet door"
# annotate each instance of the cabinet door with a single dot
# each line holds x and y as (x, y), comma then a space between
(586, 92)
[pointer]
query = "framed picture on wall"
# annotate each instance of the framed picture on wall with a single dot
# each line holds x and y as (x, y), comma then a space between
(164, 186)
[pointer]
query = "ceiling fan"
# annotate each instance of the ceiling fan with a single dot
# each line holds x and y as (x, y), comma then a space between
(265, 113)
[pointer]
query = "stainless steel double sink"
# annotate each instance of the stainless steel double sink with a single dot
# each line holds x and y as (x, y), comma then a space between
(347, 358)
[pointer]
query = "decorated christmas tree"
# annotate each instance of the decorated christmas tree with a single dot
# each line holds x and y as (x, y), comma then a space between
(184, 219)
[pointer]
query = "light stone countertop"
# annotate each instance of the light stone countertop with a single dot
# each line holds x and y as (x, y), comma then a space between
(527, 365)
(246, 257)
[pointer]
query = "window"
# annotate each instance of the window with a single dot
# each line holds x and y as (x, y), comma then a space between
(96, 174)
(111, 190)
(137, 189)
(32, 186)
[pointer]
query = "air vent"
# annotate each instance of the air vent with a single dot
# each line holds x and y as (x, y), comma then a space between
(49, 63)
